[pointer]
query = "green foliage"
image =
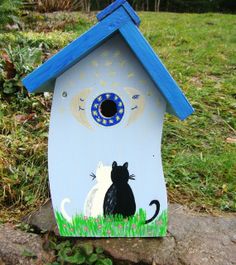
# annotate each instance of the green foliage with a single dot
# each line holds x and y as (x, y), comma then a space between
(47, 42)
(69, 253)
(26, 49)
(114, 226)
(27, 253)
(15, 63)
(9, 11)
(59, 21)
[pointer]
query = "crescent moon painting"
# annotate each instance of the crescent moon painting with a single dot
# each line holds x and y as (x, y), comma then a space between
(136, 104)
(78, 107)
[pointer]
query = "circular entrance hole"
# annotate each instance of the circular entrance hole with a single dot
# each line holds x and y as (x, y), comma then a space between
(108, 108)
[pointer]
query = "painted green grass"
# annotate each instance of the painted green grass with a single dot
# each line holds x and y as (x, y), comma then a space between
(112, 226)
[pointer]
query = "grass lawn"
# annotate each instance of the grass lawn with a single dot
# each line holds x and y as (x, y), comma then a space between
(199, 154)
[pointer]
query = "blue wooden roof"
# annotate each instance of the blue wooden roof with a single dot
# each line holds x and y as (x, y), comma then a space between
(118, 17)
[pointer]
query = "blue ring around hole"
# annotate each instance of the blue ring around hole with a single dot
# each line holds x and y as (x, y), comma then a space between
(107, 121)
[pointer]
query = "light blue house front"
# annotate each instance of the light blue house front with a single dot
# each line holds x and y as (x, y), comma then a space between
(111, 92)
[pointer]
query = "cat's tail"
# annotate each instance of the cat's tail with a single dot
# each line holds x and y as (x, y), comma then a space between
(156, 202)
(63, 211)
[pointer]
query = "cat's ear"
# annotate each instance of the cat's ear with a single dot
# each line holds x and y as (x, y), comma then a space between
(125, 165)
(100, 164)
(114, 164)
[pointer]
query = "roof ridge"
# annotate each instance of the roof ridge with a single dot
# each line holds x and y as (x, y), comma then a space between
(109, 9)
(114, 6)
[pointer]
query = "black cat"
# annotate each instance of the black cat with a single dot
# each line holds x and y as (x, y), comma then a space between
(119, 198)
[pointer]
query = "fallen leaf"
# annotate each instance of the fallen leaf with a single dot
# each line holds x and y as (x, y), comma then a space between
(23, 117)
(231, 140)
(9, 66)
(224, 188)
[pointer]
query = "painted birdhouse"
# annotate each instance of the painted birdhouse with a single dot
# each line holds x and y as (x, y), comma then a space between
(110, 94)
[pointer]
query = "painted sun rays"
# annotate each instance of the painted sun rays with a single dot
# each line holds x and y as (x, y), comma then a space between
(110, 66)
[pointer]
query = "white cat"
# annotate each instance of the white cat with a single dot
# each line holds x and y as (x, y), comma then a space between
(93, 205)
